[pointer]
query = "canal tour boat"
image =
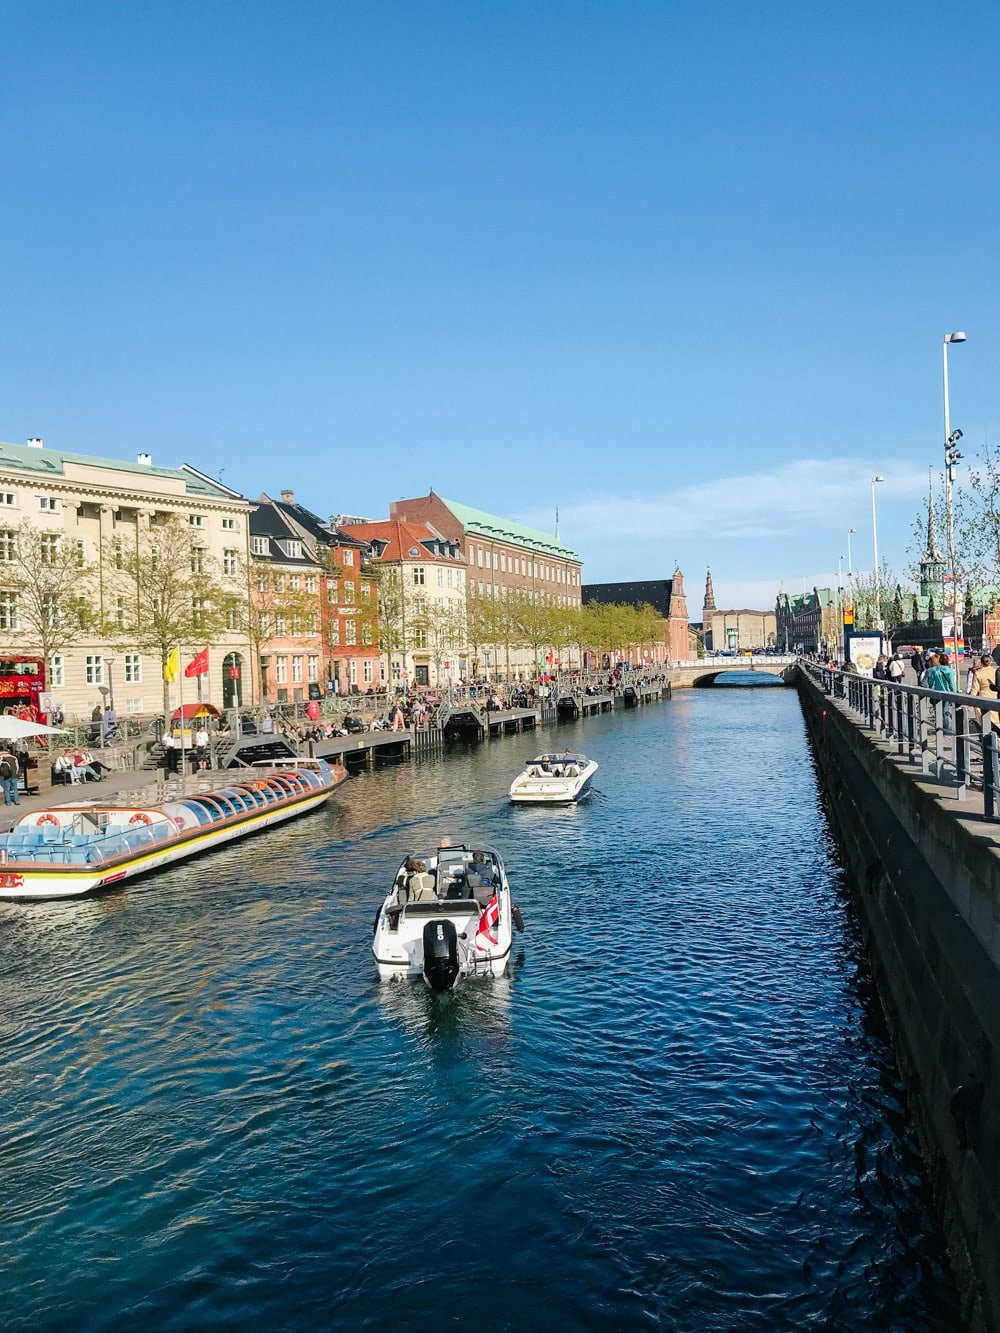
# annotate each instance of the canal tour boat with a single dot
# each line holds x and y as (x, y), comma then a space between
(448, 916)
(553, 779)
(71, 850)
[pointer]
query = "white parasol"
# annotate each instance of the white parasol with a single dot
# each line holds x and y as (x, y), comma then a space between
(16, 728)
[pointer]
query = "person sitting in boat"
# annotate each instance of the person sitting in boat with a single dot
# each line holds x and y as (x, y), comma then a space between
(480, 869)
(546, 764)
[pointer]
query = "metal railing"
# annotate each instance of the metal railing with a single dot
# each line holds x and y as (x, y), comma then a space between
(951, 737)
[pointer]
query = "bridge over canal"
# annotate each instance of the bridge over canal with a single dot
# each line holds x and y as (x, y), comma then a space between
(704, 670)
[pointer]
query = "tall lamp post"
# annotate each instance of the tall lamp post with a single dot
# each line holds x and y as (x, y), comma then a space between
(850, 565)
(878, 591)
(951, 457)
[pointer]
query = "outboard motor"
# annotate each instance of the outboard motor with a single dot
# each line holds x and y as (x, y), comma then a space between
(441, 954)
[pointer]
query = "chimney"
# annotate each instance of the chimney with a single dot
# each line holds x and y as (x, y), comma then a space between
(287, 497)
(144, 460)
(36, 442)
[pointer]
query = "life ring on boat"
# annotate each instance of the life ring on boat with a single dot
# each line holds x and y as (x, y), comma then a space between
(140, 818)
(47, 819)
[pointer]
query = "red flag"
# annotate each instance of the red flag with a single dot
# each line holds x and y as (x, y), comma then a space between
(199, 666)
(488, 923)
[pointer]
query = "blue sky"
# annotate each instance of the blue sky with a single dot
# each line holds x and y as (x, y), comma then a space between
(680, 271)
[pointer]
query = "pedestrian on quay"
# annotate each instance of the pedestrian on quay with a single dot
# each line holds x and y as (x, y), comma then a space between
(8, 777)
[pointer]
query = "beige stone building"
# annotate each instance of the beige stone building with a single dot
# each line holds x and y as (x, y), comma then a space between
(102, 511)
(736, 630)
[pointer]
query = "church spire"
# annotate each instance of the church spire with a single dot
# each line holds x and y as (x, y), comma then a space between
(709, 603)
(932, 553)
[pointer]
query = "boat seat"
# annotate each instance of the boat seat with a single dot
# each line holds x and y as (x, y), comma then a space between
(458, 888)
(572, 771)
(422, 887)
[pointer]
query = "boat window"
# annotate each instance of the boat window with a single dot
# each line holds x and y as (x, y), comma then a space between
(197, 810)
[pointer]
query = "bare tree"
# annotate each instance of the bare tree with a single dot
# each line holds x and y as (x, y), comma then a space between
(54, 586)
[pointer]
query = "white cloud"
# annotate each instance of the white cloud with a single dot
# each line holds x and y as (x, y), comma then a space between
(754, 506)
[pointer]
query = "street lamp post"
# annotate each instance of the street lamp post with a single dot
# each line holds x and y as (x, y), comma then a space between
(850, 566)
(951, 457)
(878, 591)
(840, 608)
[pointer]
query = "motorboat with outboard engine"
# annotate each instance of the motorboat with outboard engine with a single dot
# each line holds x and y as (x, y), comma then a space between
(553, 779)
(448, 916)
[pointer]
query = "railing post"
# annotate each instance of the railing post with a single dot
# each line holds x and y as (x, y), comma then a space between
(960, 748)
(989, 767)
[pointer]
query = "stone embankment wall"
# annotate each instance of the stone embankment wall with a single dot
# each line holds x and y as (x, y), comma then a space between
(927, 888)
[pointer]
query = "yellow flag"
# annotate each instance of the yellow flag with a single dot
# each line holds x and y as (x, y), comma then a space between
(173, 666)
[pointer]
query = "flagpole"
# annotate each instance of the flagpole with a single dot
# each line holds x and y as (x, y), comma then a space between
(180, 685)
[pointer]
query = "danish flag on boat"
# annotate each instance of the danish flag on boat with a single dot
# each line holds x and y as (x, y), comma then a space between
(485, 935)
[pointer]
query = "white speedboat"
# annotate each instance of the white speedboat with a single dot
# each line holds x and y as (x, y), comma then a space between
(553, 779)
(70, 850)
(448, 916)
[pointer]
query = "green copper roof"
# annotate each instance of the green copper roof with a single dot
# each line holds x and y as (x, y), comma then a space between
(489, 526)
(51, 463)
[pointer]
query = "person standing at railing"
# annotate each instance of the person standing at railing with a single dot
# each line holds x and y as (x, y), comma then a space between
(895, 668)
(940, 675)
(984, 678)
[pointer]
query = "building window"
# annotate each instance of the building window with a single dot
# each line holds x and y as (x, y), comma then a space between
(350, 632)
(133, 669)
(297, 670)
(331, 592)
(197, 612)
(230, 561)
(196, 520)
(348, 590)
(233, 618)
(366, 592)
(57, 672)
(420, 638)
(279, 626)
(369, 673)
(347, 557)
(95, 670)
(294, 582)
(259, 545)
(48, 503)
(8, 498)
(197, 560)
(50, 610)
(281, 670)
(313, 666)
(418, 575)
(229, 525)
(310, 583)
(8, 611)
(279, 583)
(367, 635)
(334, 633)
(8, 546)
(120, 612)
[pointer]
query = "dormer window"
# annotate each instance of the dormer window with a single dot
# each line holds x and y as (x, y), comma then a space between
(292, 548)
(260, 545)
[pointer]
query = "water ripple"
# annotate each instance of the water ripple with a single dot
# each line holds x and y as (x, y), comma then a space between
(677, 1110)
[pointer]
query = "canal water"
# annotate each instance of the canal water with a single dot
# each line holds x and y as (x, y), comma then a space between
(677, 1112)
